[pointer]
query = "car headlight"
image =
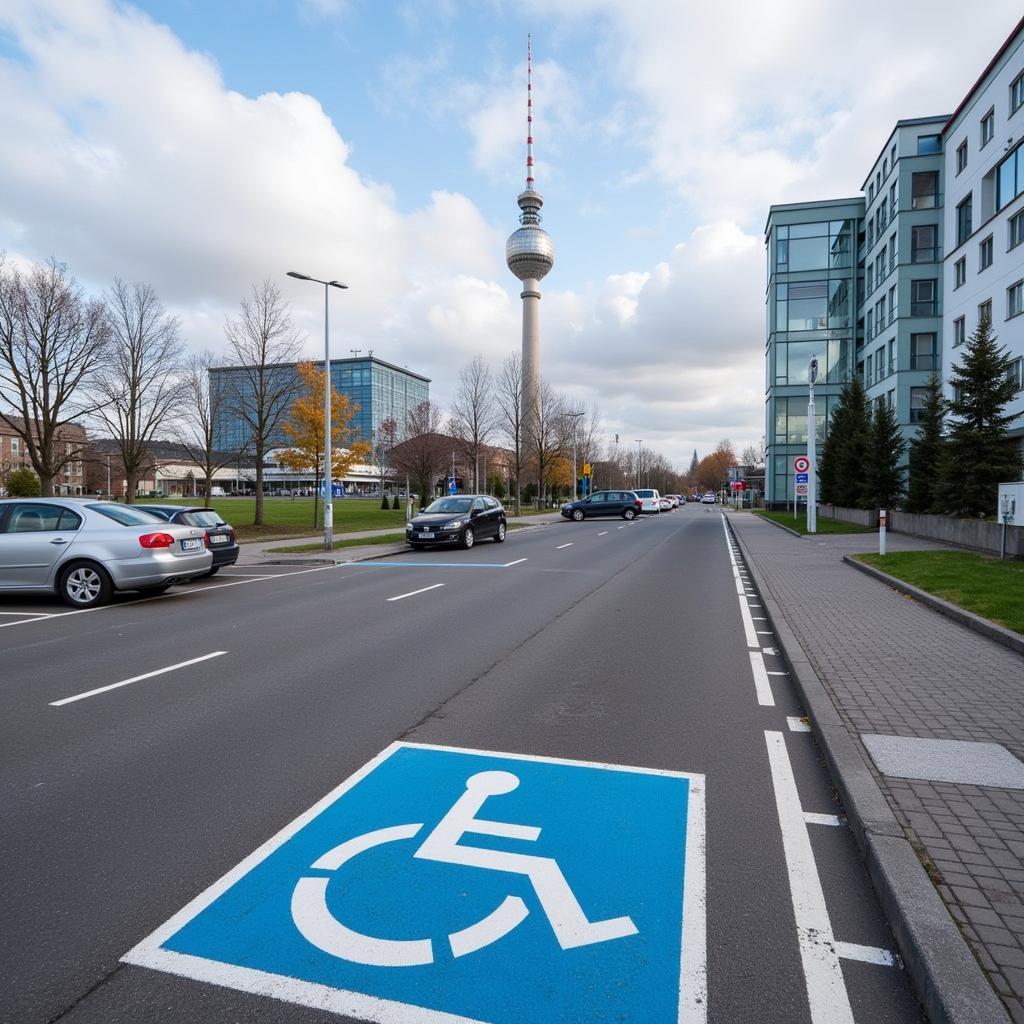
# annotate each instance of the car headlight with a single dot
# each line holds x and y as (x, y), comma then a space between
(458, 524)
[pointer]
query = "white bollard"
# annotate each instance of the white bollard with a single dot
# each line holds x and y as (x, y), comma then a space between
(882, 516)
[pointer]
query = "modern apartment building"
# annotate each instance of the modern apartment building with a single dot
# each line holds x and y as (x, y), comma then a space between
(983, 269)
(812, 300)
(381, 391)
(938, 237)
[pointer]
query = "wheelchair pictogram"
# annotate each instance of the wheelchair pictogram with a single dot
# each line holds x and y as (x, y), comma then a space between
(569, 922)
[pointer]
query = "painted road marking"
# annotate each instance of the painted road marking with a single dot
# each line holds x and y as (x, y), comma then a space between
(413, 593)
(823, 819)
(44, 615)
(603, 533)
(560, 546)
(135, 679)
(795, 723)
(866, 954)
(372, 904)
(516, 562)
(823, 975)
(620, 527)
(748, 626)
(761, 684)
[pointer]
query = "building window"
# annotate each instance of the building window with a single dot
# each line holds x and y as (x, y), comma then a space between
(1015, 372)
(16, 445)
(893, 197)
(959, 331)
(1009, 179)
(963, 220)
(923, 352)
(988, 126)
(871, 194)
(961, 156)
(870, 281)
(891, 398)
(892, 303)
(918, 397)
(924, 190)
(885, 168)
(922, 243)
(927, 144)
(985, 311)
(960, 272)
(892, 154)
(1015, 299)
(1017, 93)
(1015, 230)
(869, 328)
(985, 254)
(922, 297)
(892, 251)
(871, 233)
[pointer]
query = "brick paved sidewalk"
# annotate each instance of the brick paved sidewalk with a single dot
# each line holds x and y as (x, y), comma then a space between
(895, 667)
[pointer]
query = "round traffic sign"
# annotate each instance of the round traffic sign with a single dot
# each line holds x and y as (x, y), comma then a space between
(801, 464)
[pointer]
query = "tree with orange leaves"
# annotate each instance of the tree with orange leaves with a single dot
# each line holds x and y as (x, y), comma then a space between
(304, 429)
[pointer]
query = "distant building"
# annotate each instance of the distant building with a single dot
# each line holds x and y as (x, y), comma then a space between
(13, 455)
(381, 391)
(889, 284)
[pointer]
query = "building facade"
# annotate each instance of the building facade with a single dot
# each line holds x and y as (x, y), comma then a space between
(378, 389)
(938, 245)
(14, 455)
(811, 300)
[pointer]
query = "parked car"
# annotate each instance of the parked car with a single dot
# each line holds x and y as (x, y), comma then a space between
(665, 503)
(603, 503)
(221, 538)
(709, 498)
(648, 500)
(84, 550)
(461, 519)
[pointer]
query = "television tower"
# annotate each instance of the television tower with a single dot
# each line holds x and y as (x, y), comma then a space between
(530, 254)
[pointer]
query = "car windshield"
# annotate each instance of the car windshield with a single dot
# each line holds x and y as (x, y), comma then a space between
(126, 515)
(203, 517)
(453, 505)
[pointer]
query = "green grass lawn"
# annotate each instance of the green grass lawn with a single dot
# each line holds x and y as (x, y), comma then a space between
(349, 542)
(284, 516)
(800, 523)
(986, 586)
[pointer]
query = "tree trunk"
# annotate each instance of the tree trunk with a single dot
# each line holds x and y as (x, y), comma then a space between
(46, 484)
(258, 517)
(208, 487)
(316, 494)
(130, 487)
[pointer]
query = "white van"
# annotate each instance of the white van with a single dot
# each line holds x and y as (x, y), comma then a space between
(650, 499)
(217, 492)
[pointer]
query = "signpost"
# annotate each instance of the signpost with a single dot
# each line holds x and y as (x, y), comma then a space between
(883, 517)
(801, 468)
(812, 483)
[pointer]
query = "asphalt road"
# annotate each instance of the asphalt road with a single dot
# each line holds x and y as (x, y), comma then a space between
(621, 646)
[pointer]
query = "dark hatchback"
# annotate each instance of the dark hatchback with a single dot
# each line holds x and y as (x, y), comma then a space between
(461, 519)
(604, 503)
(220, 537)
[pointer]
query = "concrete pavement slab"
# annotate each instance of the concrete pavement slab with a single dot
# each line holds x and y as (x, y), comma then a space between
(972, 763)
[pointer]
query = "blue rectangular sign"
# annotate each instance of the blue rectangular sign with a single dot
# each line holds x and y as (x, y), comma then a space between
(448, 885)
(801, 478)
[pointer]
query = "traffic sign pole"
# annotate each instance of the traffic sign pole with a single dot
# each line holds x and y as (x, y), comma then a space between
(812, 476)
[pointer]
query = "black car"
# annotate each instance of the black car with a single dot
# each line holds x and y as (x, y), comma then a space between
(603, 503)
(461, 519)
(220, 537)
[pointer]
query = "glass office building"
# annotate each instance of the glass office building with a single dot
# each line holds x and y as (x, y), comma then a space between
(380, 390)
(811, 303)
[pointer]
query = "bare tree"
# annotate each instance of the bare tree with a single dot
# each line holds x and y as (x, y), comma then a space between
(382, 440)
(509, 396)
(474, 415)
(140, 384)
(52, 342)
(201, 408)
(549, 433)
(261, 390)
(423, 451)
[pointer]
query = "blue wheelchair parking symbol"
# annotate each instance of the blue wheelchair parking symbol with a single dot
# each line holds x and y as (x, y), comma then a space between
(457, 885)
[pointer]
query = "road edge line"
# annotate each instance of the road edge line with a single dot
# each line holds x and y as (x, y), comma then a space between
(970, 620)
(947, 978)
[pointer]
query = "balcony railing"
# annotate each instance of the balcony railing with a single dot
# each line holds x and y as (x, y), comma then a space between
(927, 201)
(924, 361)
(925, 254)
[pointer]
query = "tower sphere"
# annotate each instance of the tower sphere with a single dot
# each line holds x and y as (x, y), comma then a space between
(529, 251)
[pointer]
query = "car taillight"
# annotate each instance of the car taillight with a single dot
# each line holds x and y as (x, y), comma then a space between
(207, 538)
(639, 503)
(234, 536)
(156, 540)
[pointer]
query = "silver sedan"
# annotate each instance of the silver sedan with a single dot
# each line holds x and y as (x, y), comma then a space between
(85, 550)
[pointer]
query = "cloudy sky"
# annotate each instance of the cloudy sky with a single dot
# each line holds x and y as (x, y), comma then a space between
(202, 145)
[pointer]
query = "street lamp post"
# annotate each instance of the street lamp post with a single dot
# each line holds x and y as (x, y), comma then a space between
(812, 469)
(638, 450)
(328, 460)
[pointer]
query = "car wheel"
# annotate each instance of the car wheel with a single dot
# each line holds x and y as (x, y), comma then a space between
(85, 585)
(499, 537)
(468, 537)
(629, 513)
(577, 514)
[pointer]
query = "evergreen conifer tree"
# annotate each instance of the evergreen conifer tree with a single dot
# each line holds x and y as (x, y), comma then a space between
(844, 454)
(884, 470)
(926, 451)
(979, 454)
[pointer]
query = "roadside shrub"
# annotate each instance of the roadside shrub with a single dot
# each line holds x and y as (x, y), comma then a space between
(23, 483)
(395, 504)
(385, 504)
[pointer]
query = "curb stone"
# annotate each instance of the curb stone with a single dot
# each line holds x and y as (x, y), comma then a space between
(780, 526)
(1000, 634)
(947, 978)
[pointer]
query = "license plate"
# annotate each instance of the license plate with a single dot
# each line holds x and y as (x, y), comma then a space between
(219, 538)
(191, 544)
(427, 536)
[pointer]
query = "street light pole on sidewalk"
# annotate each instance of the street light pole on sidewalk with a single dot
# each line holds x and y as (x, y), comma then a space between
(812, 469)
(328, 459)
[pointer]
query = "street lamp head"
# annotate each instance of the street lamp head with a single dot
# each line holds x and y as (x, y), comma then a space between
(337, 284)
(812, 369)
(301, 277)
